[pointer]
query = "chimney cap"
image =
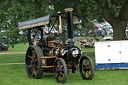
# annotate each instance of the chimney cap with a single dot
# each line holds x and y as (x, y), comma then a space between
(68, 9)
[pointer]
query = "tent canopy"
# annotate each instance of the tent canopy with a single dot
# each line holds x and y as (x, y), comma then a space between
(50, 19)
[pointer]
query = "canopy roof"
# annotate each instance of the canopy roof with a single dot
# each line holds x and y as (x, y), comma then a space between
(50, 19)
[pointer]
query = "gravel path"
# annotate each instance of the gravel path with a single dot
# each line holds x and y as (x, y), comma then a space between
(12, 63)
(12, 52)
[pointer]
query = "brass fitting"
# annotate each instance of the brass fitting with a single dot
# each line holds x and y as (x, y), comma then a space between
(68, 9)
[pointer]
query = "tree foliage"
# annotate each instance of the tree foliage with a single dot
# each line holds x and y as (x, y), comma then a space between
(14, 11)
(113, 11)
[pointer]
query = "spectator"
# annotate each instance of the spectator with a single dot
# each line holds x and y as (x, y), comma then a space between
(33, 35)
(103, 33)
(37, 36)
(35, 39)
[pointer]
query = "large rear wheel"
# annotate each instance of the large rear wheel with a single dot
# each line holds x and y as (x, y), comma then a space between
(86, 68)
(60, 70)
(33, 62)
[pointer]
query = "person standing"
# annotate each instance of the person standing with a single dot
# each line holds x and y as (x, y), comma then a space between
(103, 33)
(35, 39)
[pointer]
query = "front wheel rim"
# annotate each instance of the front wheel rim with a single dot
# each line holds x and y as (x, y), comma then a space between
(86, 68)
(60, 71)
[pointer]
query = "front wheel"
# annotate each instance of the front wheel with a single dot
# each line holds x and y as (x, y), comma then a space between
(60, 70)
(86, 68)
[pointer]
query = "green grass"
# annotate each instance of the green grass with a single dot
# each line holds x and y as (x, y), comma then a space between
(23, 47)
(78, 45)
(89, 38)
(16, 74)
(18, 48)
(12, 58)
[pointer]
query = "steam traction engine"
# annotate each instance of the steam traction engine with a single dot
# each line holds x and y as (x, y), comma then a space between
(55, 52)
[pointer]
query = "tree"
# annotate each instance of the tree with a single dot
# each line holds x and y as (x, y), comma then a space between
(14, 11)
(114, 12)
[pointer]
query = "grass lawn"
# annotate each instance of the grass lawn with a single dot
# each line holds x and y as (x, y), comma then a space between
(18, 48)
(23, 47)
(16, 74)
(78, 45)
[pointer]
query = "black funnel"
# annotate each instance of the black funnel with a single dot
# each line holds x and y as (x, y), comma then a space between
(69, 16)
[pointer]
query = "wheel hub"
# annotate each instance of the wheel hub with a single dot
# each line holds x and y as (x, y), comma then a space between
(58, 70)
(33, 63)
(86, 69)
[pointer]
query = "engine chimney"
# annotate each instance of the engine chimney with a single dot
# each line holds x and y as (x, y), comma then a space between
(69, 22)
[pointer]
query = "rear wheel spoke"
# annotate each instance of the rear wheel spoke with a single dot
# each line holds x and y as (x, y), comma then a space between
(36, 70)
(36, 59)
(61, 74)
(30, 56)
(29, 66)
(37, 67)
(61, 66)
(59, 77)
(33, 53)
(33, 70)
